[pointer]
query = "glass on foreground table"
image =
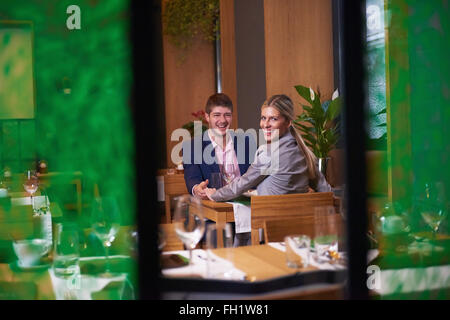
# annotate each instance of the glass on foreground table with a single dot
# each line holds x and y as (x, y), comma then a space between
(105, 219)
(189, 222)
(326, 234)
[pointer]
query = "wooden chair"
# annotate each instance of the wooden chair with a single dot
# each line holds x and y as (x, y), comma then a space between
(74, 179)
(276, 230)
(174, 185)
(172, 241)
(279, 207)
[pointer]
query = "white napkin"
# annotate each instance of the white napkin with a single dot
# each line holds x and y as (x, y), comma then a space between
(200, 266)
(80, 287)
(242, 217)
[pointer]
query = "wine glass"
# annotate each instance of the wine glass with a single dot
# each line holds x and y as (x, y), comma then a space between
(105, 221)
(31, 185)
(189, 222)
(161, 238)
(228, 172)
(433, 205)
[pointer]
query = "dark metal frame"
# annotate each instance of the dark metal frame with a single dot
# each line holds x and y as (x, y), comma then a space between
(352, 88)
(355, 100)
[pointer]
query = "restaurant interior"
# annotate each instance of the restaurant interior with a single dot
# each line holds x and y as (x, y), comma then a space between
(104, 103)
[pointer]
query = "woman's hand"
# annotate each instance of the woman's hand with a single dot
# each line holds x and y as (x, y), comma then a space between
(209, 192)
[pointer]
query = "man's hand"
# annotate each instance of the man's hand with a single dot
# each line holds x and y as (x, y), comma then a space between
(199, 190)
(209, 192)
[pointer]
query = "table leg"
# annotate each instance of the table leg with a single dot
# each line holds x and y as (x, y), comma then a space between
(168, 215)
(220, 220)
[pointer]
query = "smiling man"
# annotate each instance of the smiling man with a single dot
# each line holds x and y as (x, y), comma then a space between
(221, 144)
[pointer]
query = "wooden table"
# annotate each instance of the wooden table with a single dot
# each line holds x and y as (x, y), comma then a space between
(265, 263)
(219, 212)
(260, 262)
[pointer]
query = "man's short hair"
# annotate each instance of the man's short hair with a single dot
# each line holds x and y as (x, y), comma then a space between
(218, 100)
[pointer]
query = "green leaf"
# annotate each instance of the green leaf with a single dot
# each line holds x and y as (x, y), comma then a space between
(306, 128)
(304, 120)
(309, 138)
(303, 92)
(309, 144)
(307, 109)
(334, 109)
(324, 132)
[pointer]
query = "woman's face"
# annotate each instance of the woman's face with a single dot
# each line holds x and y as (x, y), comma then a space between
(273, 123)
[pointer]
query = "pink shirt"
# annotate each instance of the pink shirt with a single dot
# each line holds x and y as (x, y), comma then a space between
(226, 158)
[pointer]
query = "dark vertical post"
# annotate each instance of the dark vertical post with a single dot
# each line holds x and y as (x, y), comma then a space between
(250, 61)
(147, 140)
(354, 96)
(218, 61)
(337, 44)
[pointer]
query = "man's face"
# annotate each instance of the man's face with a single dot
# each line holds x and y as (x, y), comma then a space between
(219, 120)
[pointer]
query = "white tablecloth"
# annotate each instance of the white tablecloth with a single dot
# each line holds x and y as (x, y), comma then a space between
(80, 286)
(200, 266)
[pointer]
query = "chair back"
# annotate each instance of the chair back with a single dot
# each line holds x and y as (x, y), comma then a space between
(174, 185)
(276, 230)
(286, 206)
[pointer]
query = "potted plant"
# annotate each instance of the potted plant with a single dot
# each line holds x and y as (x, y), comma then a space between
(183, 20)
(198, 116)
(319, 124)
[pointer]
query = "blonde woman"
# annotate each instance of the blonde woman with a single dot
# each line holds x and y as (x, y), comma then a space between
(296, 167)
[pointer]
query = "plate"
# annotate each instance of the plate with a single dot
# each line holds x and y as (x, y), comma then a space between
(16, 266)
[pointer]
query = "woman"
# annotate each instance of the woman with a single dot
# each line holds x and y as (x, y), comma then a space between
(284, 166)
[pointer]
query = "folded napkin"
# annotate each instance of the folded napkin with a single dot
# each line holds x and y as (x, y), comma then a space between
(242, 217)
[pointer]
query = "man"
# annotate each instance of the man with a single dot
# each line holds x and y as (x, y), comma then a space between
(228, 158)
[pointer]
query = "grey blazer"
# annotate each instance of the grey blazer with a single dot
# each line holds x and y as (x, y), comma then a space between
(271, 177)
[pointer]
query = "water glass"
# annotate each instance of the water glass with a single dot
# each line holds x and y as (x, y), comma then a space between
(297, 250)
(215, 180)
(66, 251)
(326, 234)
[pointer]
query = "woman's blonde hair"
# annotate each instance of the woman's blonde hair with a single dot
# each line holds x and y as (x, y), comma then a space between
(285, 106)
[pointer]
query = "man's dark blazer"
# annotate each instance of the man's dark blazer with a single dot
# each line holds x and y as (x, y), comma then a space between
(197, 168)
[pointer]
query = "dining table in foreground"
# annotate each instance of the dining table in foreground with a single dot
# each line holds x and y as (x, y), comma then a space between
(261, 262)
(266, 276)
